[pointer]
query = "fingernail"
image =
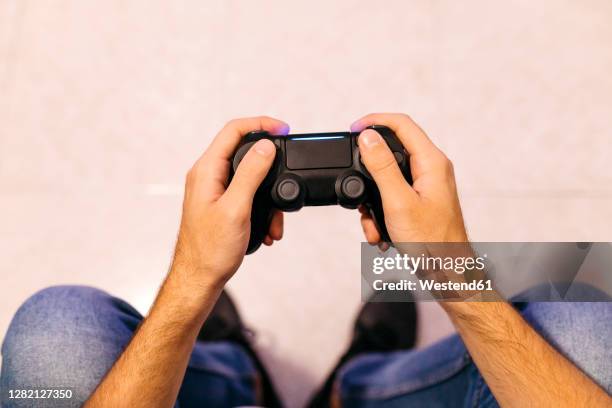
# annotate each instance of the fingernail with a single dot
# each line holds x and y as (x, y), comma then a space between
(284, 129)
(356, 126)
(369, 138)
(264, 147)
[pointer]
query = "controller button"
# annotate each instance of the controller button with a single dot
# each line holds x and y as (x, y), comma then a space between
(353, 187)
(398, 157)
(288, 190)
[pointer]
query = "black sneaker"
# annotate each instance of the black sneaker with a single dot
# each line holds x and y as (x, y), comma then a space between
(224, 324)
(379, 327)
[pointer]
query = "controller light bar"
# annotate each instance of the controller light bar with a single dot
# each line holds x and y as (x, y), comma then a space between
(317, 138)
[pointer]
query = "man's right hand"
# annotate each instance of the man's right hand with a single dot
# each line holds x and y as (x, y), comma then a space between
(427, 211)
(216, 224)
(212, 241)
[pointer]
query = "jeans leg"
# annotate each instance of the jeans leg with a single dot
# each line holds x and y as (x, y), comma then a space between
(580, 331)
(437, 376)
(443, 375)
(70, 336)
(64, 337)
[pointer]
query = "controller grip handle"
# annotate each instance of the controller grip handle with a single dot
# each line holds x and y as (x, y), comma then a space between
(374, 203)
(261, 217)
(375, 207)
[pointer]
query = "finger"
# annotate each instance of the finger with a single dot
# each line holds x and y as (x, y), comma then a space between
(276, 226)
(211, 170)
(369, 229)
(268, 241)
(225, 143)
(412, 137)
(250, 173)
(381, 164)
(410, 134)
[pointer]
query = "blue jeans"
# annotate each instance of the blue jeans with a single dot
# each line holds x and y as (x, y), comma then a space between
(443, 375)
(70, 336)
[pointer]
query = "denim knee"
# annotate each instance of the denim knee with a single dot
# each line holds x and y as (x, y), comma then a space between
(64, 337)
(580, 331)
(433, 376)
(442, 374)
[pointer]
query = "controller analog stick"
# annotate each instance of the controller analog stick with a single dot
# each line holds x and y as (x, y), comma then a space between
(353, 187)
(288, 193)
(350, 189)
(288, 190)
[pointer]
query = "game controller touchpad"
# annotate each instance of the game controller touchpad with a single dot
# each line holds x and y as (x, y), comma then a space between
(318, 153)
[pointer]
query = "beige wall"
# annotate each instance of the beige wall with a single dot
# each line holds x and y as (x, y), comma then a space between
(104, 106)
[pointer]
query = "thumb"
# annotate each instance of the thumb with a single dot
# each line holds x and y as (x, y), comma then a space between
(250, 172)
(380, 162)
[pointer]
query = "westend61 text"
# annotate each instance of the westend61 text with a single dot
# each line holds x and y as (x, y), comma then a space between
(431, 284)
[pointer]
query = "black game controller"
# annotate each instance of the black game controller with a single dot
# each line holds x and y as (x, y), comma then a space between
(316, 169)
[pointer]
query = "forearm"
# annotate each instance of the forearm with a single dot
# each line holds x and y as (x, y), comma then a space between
(519, 366)
(152, 367)
(212, 241)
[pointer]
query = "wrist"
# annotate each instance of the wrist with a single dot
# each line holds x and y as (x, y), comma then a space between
(192, 269)
(207, 268)
(189, 292)
(472, 310)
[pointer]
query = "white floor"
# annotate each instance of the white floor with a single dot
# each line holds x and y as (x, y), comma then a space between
(103, 108)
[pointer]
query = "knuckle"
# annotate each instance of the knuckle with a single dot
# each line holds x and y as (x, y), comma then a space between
(189, 176)
(192, 174)
(450, 166)
(402, 119)
(404, 116)
(384, 165)
(396, 206)
(373, 117)
(233, 214)
(196, 171)
(232, 123)
(447, 166)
